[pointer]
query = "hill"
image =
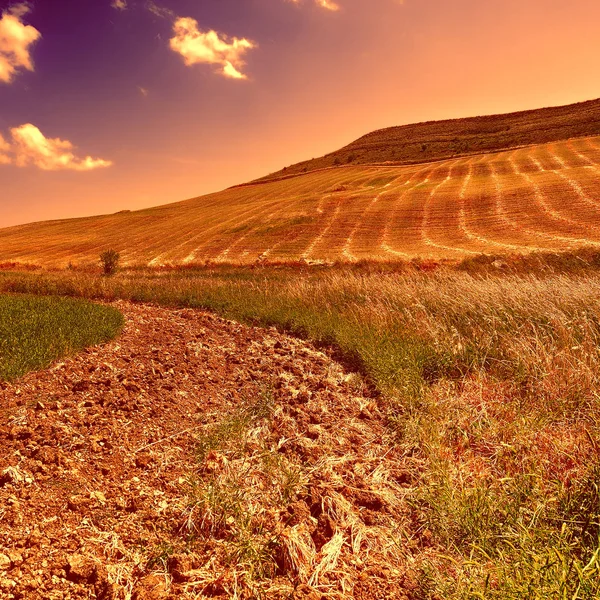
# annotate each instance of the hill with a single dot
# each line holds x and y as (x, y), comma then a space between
(434, 140)
(543, 196)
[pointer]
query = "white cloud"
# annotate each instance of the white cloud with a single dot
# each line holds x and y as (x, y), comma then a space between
(209, 47)
(328, 4)
(30, 147)
(5, 159)
(15, 41)
(119, 4)
(159, 11)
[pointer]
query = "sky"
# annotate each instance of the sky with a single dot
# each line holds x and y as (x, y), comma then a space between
(107, 105)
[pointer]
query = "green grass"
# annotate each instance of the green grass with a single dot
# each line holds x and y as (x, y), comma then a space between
(34, 331)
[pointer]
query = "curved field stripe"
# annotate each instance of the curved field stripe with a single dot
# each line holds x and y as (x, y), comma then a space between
(552, 212)
(306, 254)
(323, 180)
(462, 220)
(220, 246)
(543, 224)
(594, 143)
(367, 238)
(198, 251)
(561, 237)
(545, 160)
(346, 250)
(463, 205)
(452, 234)
(495, 219)
(263, 220)
(294, 245)
(238, 220)
(446, 212)
(586, 202)
(412, 212)
(342, 230)
(564, 155)
(563, 229)
(582, 160)
(366, 226)
(191, 231)
(390, 226)
(185, 230)
(590, 151)
(479, 208)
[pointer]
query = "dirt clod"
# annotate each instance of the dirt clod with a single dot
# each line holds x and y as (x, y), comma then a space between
(80, 569)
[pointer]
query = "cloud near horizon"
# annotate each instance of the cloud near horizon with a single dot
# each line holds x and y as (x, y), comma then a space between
(209, 47)
(30, 147)
(328, 4)
(159, 11)
(16, 38)
(4, 150)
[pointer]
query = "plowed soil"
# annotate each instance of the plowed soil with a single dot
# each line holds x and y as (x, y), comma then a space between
(96, 453)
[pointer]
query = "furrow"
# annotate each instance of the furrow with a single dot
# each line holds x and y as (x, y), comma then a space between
(385, 244)
(307, 253)
(427, 218)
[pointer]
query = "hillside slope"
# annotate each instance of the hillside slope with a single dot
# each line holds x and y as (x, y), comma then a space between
(433, 140)
(544, 197)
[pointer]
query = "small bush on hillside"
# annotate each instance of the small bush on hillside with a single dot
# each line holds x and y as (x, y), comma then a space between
(109, 260)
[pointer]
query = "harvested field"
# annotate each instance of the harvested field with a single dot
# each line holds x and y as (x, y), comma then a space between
(538, 198)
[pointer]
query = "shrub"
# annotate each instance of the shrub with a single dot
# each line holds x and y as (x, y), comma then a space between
(109, 260)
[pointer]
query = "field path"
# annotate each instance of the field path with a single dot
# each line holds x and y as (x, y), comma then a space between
(95, 453)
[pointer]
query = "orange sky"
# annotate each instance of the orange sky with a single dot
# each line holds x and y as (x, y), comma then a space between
(162, 121)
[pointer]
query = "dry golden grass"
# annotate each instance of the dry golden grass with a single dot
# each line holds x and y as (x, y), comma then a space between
(543, 197)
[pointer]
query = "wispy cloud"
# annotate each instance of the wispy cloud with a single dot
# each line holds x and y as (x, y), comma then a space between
(30, 147)
(119, 4)
(210, 47)
(159, 11)
(4, 151)
(143, 91)
(327, 4)
(16, 38)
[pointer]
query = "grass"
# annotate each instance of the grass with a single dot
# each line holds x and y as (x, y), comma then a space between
(36, 331)
(490, 380)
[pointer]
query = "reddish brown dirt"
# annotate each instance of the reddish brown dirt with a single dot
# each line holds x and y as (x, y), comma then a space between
(94, 454)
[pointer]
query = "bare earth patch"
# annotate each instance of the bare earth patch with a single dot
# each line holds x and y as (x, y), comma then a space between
(194, 457)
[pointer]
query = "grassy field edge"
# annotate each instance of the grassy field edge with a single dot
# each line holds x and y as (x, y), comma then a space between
(35, 330)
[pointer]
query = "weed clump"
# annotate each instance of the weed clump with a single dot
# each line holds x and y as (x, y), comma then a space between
(109, 260)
